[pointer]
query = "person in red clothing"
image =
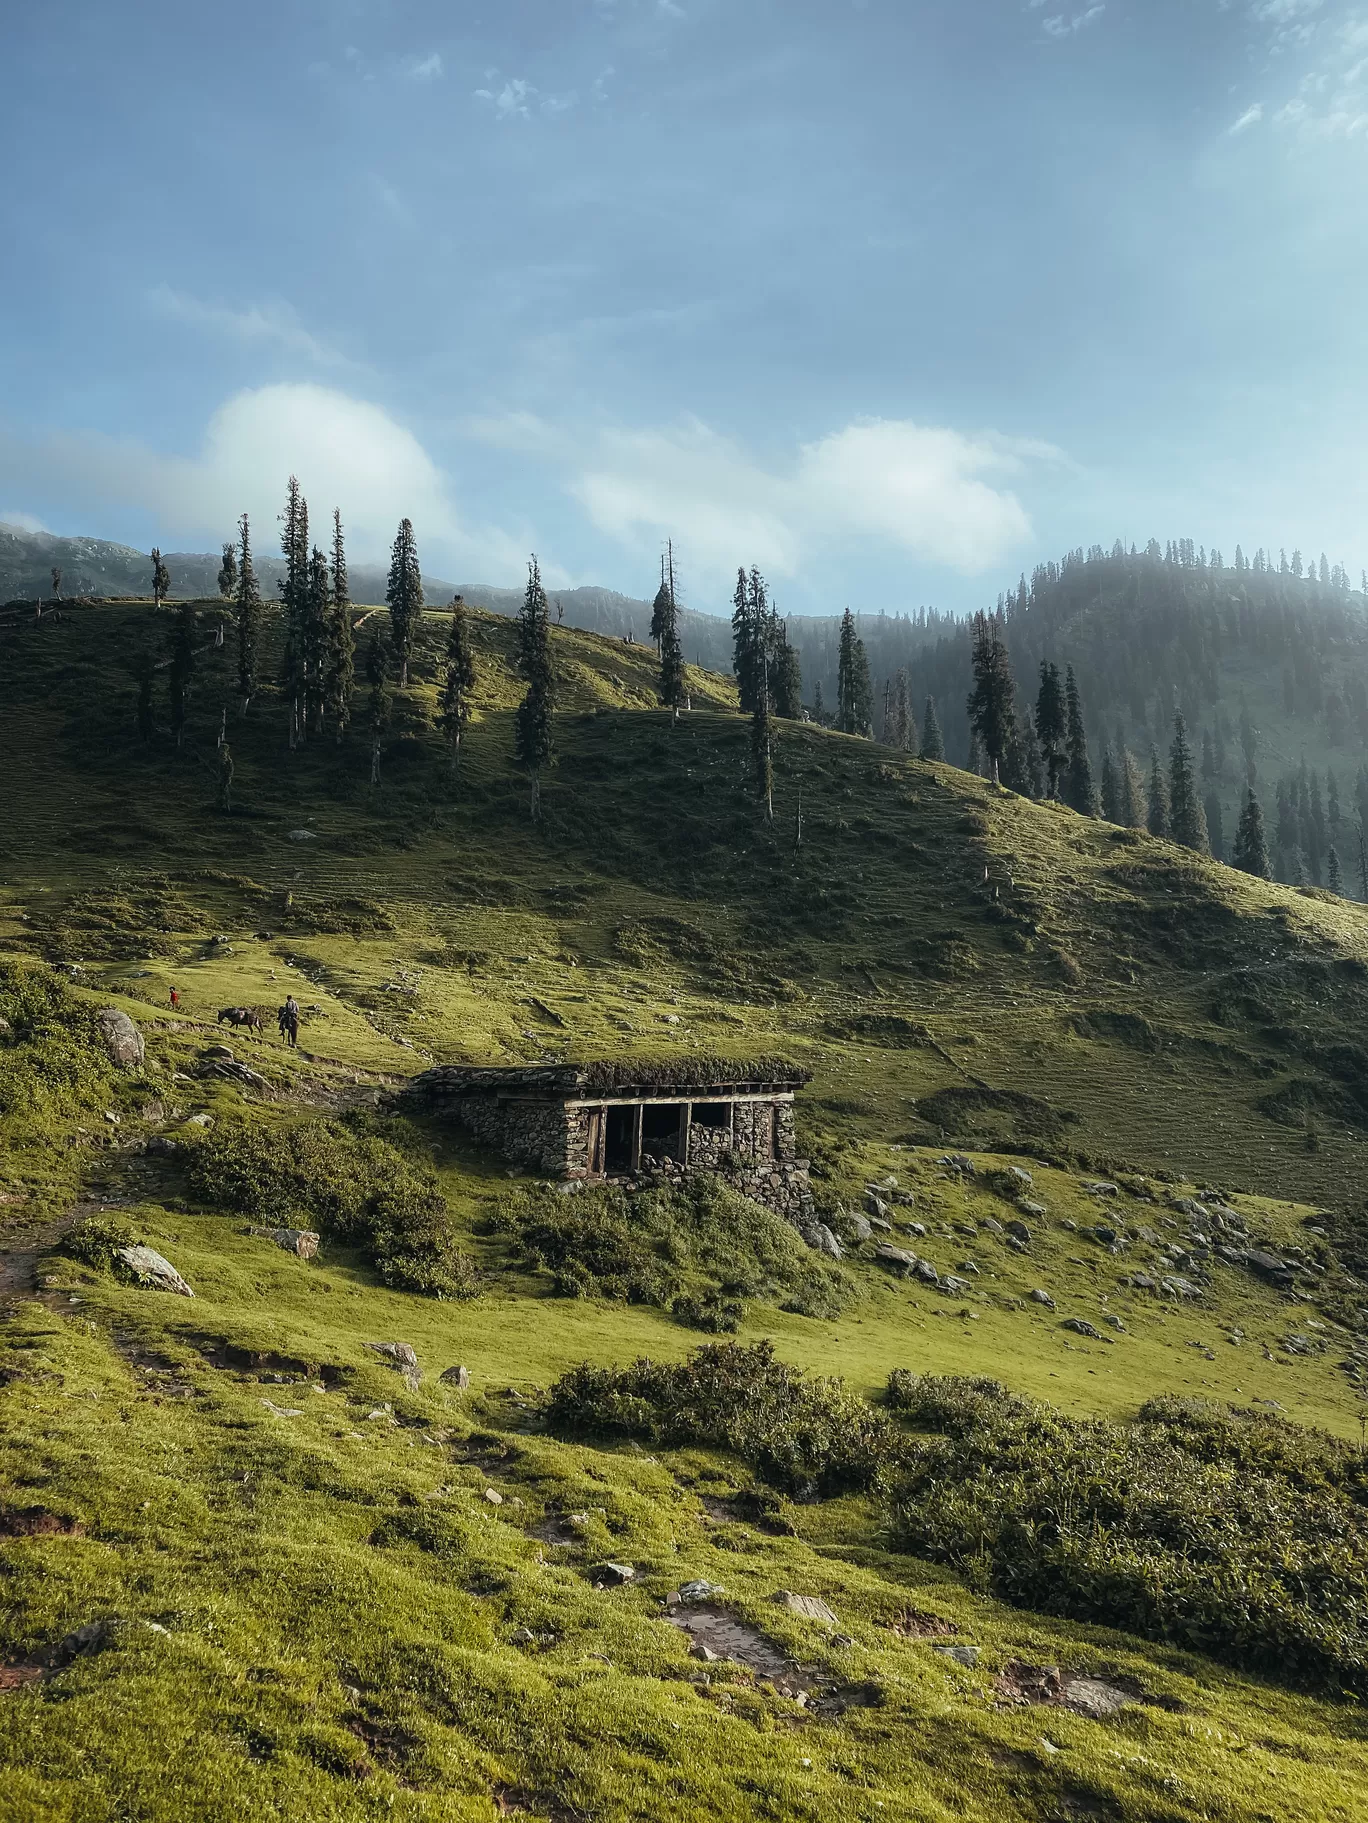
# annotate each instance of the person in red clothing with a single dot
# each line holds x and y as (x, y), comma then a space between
(175, 1000)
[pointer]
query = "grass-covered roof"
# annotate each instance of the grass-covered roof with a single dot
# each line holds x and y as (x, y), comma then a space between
(618, 1075)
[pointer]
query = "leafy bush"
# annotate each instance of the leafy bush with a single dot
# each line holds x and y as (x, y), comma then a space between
(54, 1062)
(1241, 1536)
(96, 1241)
(799, 1433)
(351, 1185)
(695, 1249)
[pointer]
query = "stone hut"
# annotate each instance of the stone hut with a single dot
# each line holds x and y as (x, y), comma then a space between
(631, 1117)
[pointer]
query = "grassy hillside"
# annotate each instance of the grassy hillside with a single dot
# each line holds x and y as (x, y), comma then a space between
(302, 1598)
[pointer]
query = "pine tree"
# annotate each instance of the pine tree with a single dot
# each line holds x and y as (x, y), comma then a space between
(1215, 819)
(340, 657)
(460, 681)
(404, 595)
(904, 727)
(248, 616)
(1250, 853)
(184, 629)
(665, 631)
(818, 707)
(1187, 819)
(1079, 791)
(1051, 724)
(227, 576)
(161, 579)
(786, 673)
(845, 676)
(1111, 785)
(750, 636)
(1157, 820)
(294, 591)
(532, 725)
(377, 676)
(1033, 762)
(990, 702)
(932, 740)
(861, 693)
(1334, 879)
(316, 639)
(1132, 793)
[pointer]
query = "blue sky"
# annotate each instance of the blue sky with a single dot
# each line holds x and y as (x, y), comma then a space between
(892, 299)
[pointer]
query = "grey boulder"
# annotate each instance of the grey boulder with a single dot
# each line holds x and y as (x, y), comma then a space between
(150, 1269)
(121, 1038)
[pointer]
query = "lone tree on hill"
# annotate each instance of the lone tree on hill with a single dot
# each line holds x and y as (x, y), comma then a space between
(248, 616)
(1157, 814)
(532, 725)
(932, 740)
(460, 681)
(1187, 819)
(227, 576)
(1051, 724)
(377, 676)
(404, 594)
(1251, 850)
(183, 632)
(665, 632)
(161, 579)
(1079, 791)
(991, 700)
(340, 655)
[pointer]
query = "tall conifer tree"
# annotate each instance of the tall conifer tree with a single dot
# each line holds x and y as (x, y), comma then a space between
(990, 702)
(316, 630)
(786, 676)
(161, 579)
(1250, 853)
(460, 681)
(404, 594)
(294, 596)
(845, 676)
(227, 576)
(340, 657)
(665, 629)
(1187, 819)
(932, 740)
(1079, 790)
(1051, 724)
(1157, 818)
(532, 725)
(1132, 792)
(248, 616)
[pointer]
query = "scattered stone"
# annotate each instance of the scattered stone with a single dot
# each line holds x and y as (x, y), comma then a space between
(897, 1257)
(401, 1356)
(806, 1607)
(861, 1226)
(283, 1411)
(524, 1636)
(968, 1656)
(1042, 1297)
(494, 1497)
(992, 1226)
(122, 1040)
(150, 1269)
(1023, 1178)
(698, 1590)
(954, 1287)
(1115, 1321)
(1019, 1231)
(200, 1120)
(1081, 1327)
(926, 1272)
(917, 1228)
(1102, 1188)
(303, 835)
(1141, 1281)
(1099, 1698)
(875, 1205)
(881, 1226)
(459, 1377)
(300, 1241)
(819, 1237)
(1037, 1211)
(612, 1575)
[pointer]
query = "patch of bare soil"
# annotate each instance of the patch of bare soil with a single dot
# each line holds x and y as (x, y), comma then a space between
(913, 1623)
(1019, 1684)
(37, 1522)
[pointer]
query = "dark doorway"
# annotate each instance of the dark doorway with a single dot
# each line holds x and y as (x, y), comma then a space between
(617, 1150)
(660, 1128)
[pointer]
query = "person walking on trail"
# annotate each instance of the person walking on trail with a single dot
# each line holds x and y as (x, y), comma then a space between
(175, 1000)
(291, 1011)
(283, 1020)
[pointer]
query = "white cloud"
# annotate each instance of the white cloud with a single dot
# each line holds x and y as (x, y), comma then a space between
(518, 99)
(19, 521)
(1250, 118)
(274, 321)
(1332, 102)
(424, 69)
(1061, 25)
(346, 452)
(930, 491)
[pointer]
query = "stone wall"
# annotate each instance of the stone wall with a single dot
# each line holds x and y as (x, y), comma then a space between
(543, 1134)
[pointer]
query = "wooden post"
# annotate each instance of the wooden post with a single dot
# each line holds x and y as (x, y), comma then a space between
(637, 1113)
(685, 1123)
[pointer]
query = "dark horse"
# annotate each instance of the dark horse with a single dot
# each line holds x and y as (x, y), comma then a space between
(241, 1015)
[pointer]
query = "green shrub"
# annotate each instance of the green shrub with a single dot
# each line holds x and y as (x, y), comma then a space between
(694, 1249)
(799, 1433)
(352, 1185)
(54, 1063)
(96, 1241)
(1240, 1536)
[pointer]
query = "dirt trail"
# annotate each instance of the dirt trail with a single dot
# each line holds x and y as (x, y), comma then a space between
(22, 1248)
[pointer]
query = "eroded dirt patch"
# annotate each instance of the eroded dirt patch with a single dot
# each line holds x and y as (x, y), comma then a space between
(1019, 1684)
(37, 1522)
(913, 1623)
(718, 1634)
